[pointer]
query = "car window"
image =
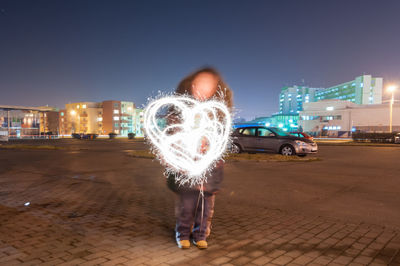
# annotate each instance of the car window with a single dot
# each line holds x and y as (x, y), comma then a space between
(265, 132)
(280, 132)
(248, 132)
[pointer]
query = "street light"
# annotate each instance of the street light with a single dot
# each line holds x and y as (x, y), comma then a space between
(391, 89)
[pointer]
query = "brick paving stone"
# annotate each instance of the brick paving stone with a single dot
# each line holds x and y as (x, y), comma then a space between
(235, 253)
(98, 261)
(12, 262)
(343, 260)
(262, 241)
(351, 252)
(365, 240)
(282, 260)
(117, 221)
(72, 262)
(294, 253)
(263, 260)
(52, 262)
(335, 264)
(377, 263)
(312, 254)
(303, 260)
(355, 264)
(370, 252)
(242, 260)
(256, 253)
(293, 264)
(115, 261)
(323, 260)
(96, 255)
(220, 260)
(363, 260)
(31, 262)
(276, 253)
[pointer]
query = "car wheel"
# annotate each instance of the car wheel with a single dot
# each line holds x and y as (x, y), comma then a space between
(302, 155)
(287, 150)
(236, 148)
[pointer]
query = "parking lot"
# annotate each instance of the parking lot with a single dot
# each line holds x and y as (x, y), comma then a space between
(89, 202)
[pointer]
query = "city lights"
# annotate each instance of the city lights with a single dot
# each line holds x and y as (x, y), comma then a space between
(391, 89)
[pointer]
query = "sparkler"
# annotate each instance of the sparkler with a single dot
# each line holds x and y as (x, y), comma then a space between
(191, 147)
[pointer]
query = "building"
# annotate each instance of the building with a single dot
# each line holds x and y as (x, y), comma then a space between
(111, 117)
(138, 122)
(364, 89)
(101, 118)
(291, 99)
(122, 118)
(28, 122)
(338, 118)
(81, 117)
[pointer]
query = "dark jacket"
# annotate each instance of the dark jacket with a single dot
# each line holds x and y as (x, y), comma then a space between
(213, 184)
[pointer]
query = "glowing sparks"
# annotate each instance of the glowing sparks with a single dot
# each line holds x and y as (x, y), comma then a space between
(192, 144)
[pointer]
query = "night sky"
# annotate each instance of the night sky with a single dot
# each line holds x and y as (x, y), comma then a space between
(55, 52)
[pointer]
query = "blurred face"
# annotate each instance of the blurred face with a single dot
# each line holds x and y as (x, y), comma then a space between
(204, 86)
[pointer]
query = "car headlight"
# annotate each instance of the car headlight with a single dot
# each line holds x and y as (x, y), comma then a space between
(300, 143)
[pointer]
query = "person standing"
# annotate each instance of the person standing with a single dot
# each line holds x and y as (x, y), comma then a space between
(193, 210)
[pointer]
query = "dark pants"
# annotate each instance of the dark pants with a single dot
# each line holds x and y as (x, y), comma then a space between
(192, 216)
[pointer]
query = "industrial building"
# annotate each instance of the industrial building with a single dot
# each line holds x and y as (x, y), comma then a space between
(338, 118)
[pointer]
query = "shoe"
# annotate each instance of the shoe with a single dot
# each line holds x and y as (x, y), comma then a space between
(202, 244)
(184, 244)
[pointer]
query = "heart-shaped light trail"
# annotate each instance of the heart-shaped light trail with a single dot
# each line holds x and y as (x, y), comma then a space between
(193, 145)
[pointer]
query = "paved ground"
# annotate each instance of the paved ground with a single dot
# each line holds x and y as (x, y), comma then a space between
(94, 204)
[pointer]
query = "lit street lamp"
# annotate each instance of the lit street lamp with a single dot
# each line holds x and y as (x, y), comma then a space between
(391, 89)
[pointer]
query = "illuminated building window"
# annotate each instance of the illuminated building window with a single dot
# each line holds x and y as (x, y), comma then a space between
(116, 111)
(84, 106)
(77, 107)
(116, 118)
(99, 119)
